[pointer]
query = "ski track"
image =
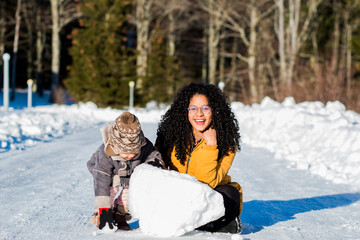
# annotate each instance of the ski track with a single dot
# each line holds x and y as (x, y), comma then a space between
(50, 195)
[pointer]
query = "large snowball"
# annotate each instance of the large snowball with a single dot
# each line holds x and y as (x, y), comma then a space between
(168, 203)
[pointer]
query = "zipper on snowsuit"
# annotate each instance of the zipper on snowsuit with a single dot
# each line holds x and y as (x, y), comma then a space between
(188, 161)
(192, 148)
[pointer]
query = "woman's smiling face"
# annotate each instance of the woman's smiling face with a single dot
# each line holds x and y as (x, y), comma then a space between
(200, 119)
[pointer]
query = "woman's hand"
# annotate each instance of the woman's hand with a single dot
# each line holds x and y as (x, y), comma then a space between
(210, 136)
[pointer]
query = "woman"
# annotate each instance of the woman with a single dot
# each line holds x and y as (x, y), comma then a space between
(199, 135)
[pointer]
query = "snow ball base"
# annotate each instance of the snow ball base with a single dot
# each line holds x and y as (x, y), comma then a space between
(170, 204)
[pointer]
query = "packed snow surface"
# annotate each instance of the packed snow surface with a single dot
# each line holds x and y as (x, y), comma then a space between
(299, 168)
(154, 193)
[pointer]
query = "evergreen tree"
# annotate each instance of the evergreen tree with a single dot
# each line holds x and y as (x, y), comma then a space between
(102, 63)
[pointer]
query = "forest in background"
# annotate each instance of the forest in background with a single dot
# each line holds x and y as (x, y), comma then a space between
(308, 49)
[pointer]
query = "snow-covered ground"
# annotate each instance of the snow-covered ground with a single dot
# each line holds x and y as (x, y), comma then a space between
(299, 168)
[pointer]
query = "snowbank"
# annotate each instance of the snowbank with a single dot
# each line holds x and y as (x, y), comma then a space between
(187, 204)
(323, 139)
(23, 128)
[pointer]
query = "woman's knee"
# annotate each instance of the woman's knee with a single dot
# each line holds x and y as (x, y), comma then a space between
(232, 200)
(229, 191)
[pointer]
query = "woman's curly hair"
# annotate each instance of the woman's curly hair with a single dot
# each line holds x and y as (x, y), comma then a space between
(175, 129)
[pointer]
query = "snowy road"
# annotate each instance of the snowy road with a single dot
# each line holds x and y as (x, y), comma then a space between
(46, 193)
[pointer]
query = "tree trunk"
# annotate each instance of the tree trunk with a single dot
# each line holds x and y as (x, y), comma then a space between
(2, 39)
(274, 83)
(341, 79)
(317, 77)
(171, 45)
(212, 48)
(215, 24)
(233, 67)
(252, 53)
(294, 15)
(348, 29)
(205, 59)
(222, 63)
(40, 41)
(335, 47)
(281, 39)
(171, 32)
(143, 19)
(26, 6)
(291, 37)
(55, 47)
(15, 49)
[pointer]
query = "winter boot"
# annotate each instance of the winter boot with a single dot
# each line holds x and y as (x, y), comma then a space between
(235, 226)
(120, 220)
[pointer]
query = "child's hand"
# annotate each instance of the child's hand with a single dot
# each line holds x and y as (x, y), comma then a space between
(210, 136)
(156, 163)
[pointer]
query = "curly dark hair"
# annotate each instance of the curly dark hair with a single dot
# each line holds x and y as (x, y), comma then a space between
(175, 129)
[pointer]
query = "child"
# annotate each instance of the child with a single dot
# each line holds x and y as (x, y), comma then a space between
(124, 148)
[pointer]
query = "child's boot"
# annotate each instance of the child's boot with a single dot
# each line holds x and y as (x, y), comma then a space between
(120, 220)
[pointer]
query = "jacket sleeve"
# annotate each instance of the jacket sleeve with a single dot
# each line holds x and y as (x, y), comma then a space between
(208, 169)
(100, 166)
(155, 159)
(151, 156)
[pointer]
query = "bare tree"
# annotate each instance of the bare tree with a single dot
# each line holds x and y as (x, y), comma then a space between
(245, 24)
(55, 45)
(62, 13)
(176, 14)
(42, 16)
(15, 48)
(28, 9)
(2, 34)
(292, 34)
(2, 38)
(215, 8)
(351, 22)
(2, 29)
(143, 19)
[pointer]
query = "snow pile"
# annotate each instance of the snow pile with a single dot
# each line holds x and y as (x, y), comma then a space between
(187, 204)
(324, 139)
(23, 128)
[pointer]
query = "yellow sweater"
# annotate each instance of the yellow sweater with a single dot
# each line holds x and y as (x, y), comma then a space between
(203, 165)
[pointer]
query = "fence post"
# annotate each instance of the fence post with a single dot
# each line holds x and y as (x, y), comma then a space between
(6, 58)
(131, 98)
(29, 92)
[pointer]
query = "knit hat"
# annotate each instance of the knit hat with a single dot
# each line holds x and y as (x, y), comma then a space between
(124, 135)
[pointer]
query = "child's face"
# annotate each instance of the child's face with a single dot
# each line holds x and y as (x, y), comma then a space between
(128, 156)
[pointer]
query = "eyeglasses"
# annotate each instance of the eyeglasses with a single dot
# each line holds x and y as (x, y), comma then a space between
(204, 109)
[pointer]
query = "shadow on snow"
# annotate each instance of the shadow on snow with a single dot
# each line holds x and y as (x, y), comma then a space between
(258, 214)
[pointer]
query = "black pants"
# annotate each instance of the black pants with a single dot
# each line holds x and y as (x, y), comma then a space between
(232, 208)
